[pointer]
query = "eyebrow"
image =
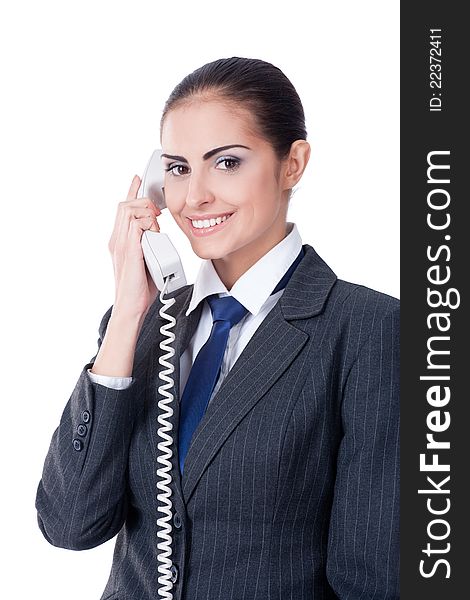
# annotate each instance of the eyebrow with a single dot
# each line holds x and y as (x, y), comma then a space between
(207, 155)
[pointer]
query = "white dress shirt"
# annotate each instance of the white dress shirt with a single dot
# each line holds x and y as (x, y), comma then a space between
(253, 290)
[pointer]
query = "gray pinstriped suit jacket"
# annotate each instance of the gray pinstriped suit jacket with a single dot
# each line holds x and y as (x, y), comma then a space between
(291, 483)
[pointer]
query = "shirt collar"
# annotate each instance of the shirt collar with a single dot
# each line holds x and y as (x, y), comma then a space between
(254, 287)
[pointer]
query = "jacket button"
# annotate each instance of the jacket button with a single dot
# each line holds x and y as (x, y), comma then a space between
(77, 444)
(177, 521)
(81, 430)
(85, 416)
(174, 573)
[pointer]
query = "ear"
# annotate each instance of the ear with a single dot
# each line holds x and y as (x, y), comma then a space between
(295, 163)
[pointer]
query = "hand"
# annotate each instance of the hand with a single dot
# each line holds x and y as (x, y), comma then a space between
(135, 289)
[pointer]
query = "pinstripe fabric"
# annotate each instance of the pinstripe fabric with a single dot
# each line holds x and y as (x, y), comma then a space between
(291, 482)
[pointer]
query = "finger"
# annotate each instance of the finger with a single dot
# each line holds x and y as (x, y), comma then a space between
(143, 224)
(155, 227)
(137, 228)
(140, 203)
(129, 210)
(137, 212)
(134, 188)
(133, 227)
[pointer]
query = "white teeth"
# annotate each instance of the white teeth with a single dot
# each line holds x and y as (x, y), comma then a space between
(201, 224)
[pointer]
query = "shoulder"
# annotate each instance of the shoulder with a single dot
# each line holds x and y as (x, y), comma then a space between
(360, 300)
(320, 291)
(356, 314)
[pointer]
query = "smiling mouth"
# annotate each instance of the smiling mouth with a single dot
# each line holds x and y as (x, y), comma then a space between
(204, 226)
(207, 224)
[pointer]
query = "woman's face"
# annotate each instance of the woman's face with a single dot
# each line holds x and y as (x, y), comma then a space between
(217, 164)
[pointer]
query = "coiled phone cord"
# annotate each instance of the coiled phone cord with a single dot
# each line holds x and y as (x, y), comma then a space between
(164, 450)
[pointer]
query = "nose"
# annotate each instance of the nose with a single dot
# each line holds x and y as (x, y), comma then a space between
(199, 191)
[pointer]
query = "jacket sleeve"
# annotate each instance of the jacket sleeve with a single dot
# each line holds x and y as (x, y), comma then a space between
(363, 544)
(81, 499)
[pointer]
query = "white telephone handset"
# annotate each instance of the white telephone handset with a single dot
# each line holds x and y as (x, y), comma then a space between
(160, 255)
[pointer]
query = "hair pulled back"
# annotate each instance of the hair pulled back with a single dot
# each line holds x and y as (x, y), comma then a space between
(255, 85)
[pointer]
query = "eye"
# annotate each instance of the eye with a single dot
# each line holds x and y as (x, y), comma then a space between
(177, 170)
(231, 163)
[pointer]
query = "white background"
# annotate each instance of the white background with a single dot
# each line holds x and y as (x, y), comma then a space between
(83, 86)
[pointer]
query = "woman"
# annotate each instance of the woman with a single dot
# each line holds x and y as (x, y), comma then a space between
(287, 486)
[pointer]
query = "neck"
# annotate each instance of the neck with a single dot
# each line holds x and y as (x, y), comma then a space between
(231, 267)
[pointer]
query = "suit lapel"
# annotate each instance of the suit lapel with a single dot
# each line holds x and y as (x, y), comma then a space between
(268, 354)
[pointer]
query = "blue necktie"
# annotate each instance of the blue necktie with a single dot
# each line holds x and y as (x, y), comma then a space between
(226, 312)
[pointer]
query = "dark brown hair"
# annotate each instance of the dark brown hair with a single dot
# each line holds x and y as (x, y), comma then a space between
(255, 85)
